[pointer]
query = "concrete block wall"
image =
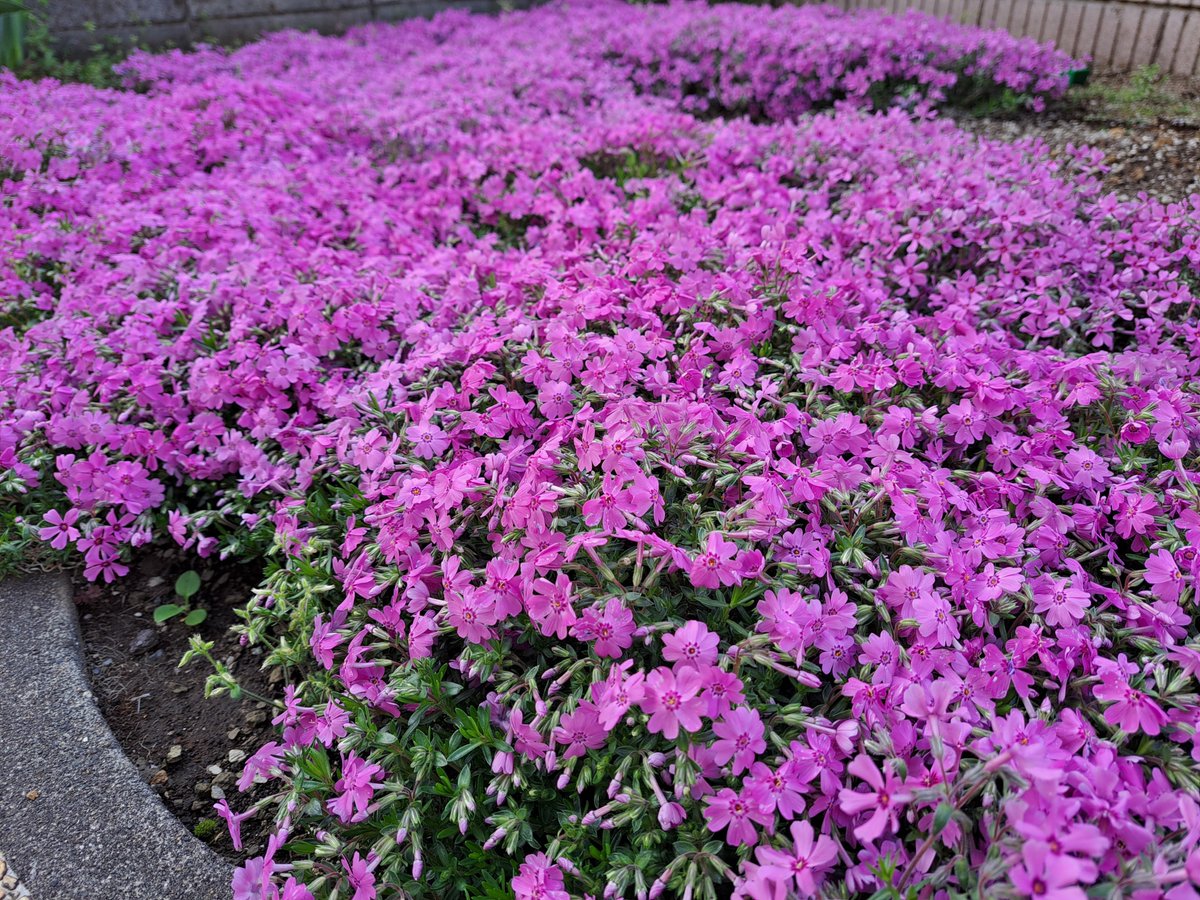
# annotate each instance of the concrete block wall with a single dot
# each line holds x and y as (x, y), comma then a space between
(78, 24)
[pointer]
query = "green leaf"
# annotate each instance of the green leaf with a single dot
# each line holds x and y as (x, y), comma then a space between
(166, 611)
(195, 617)
(187, 584)
(941, 818)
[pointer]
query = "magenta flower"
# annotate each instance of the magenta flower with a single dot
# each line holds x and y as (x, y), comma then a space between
(539, 879)
(740, 738)
(233, 820)
(738, 813)
(555, 399)
(549, 605)
(672, 702)
(888, 797)
(1163, 575)
(1040, 875)
(325, 639)
(427, 439)
(1131, 710)
(714, 566)
(692, 644)
(964, 422)
(472, 613)
(60, 530)
(580, 731)
(361, 875)
(356, 788)
(935, 619)
(610, 628)
(1060, 601)
(618, 694)
(800, 867)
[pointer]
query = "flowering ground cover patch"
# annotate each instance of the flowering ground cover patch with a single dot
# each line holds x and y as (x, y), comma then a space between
(663, 492)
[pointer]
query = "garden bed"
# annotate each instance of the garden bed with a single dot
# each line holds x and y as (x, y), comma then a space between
(682, 462)
(189, 749)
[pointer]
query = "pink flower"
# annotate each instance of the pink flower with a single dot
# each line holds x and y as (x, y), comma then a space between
(1085, 468)
(799, 867)
(608, 509)
(472, 613)
(60, 530)
(714, 566)
(671, 701)
(355, 789)
(1060, 601)
(233, 820)
(539, 880)
(738, 813)
(1163, 576)
(555, 399)
(740, 733)
(964, 422)
(1131, 710)
(884, 802)
(935, 619)
(549, 605)
(580, 731)
(611, 629)
(1039, 876)
(361, 875)
(325, 639)
(693, 644)
(427, 439)
(618, 693)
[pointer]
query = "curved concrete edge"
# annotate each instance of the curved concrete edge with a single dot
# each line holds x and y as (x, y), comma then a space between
(76, 819)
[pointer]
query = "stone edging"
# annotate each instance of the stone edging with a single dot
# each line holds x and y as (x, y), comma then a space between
(76, 819)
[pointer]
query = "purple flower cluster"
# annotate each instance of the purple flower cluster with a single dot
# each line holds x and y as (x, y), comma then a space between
(657, 504)
(779, 63)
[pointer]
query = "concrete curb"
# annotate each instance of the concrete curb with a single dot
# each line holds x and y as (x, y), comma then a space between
(76, 820)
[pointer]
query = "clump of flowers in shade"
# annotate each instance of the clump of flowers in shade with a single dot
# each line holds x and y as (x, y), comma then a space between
(666, 491)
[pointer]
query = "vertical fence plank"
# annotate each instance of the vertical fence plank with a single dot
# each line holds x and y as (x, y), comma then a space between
(1089, 28)
(1150, 35)
(1106, 34)
(1127, 35)
(973, 15)
(1184, 60)
(1170, 39)
(1068, 34)
(1119, 35)
(1052, 22)
(1033, 21)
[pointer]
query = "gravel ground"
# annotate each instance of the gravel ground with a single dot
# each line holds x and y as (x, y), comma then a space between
(1148, 130)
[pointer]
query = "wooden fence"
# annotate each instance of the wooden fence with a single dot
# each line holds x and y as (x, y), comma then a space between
(1118, 35)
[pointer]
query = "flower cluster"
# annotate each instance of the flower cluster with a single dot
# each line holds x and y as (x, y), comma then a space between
(658, 504)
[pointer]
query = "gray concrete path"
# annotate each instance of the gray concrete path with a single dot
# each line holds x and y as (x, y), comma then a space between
(10, 886)
(76, 820)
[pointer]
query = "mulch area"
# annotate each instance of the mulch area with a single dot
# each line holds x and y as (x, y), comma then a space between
(189, 749)
(1150, 137)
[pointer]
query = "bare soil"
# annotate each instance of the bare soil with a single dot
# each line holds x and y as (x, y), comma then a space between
(188, 748)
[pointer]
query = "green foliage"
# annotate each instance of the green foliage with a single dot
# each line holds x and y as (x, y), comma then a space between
(187, 586)
(206, 829)
(14, 23)
(1145, 97)
(27, 47)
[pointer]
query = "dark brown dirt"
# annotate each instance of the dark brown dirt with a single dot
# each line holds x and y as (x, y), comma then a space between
(152, 706)
(1147, 126)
